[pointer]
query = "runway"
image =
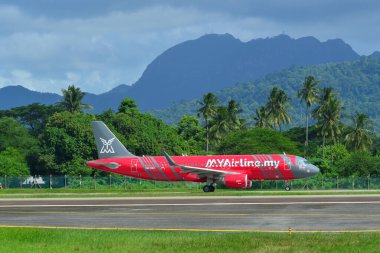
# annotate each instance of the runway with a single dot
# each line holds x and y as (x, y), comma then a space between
(340, 213)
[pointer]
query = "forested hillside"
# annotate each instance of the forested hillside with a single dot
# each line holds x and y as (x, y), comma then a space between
(57, 139)
(357, 83)
(215, 61)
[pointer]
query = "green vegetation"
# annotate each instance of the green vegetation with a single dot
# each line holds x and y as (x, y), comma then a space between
(309, 94)
(207, 110)
(360, 139)
(164, 193)
(65, 144)
(251, 142)
(57, 140)
(51, 240)
(190, 130)
(12, 163)
(277, 107)
(357, 84)
(72, 99)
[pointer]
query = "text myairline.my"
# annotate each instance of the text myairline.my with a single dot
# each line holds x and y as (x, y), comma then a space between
(240, 163)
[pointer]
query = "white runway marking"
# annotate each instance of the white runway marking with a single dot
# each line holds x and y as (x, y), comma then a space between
(197, 204)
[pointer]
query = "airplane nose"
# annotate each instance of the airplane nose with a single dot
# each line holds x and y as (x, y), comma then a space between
(312, 169)
(304, 168)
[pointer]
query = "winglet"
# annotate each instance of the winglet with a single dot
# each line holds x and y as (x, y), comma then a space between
(170, 160)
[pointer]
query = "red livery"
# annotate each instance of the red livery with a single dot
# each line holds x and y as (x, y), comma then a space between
(234, 171)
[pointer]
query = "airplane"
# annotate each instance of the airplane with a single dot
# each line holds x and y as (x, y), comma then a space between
(234, 171)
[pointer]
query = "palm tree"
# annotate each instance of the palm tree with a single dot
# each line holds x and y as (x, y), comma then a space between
(284, 117)
(72, 99)
(277, 107)
(360, 138)
(329, 122)
(207, 110)
(262, 119)
(220, 124)
(233, 111)
(271, 106)
(309, 94)
(326, 94)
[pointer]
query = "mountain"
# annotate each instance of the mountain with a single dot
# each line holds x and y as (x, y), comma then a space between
(13, 96)
(375, 54)
(107, 100)
(209, 63)
(214, 61)
(356, 82)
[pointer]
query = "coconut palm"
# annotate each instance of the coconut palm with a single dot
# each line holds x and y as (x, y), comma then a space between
(360, 138)
(262, 119)
(207, 110)
(284, 117)
(220, 124)
(325, 95)
(309, 94)
(277, 107)
(72, 99)
(329, 122)
(233, 111)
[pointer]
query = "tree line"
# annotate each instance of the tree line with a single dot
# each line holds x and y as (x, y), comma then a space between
(57, 139)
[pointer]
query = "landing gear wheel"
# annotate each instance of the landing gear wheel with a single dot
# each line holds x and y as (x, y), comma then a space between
(208, 188)
(287, 188)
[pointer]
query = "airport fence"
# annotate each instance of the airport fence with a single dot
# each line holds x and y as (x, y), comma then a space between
(116, 182)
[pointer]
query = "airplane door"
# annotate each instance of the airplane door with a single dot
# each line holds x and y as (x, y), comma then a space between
(164, 168)
(134, 165)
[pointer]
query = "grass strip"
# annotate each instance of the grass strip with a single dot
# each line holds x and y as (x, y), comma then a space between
(57, 240)
(85, 193)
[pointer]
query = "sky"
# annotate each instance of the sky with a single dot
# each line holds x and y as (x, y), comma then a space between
(46, 45)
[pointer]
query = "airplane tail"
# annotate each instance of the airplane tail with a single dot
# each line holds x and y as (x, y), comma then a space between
(106, 142)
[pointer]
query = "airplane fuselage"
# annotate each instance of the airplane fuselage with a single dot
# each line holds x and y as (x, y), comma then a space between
(234, 171)
(256, 167)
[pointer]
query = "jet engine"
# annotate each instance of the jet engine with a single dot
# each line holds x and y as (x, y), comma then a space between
(237, 181)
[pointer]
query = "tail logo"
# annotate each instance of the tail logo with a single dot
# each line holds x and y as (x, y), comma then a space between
(107, 146)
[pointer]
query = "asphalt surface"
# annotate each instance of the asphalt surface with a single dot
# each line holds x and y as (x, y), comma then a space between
(265, 213)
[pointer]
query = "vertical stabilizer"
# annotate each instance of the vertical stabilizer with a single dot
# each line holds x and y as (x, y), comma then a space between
(106, 142)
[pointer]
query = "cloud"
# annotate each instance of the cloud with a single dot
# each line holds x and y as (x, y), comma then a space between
(96, 53)
(111, 43)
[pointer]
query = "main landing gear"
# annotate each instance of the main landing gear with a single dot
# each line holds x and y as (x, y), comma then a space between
(287, 187)
(208, 188)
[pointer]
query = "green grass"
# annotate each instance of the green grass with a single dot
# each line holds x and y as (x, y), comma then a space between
(50, 240)
(88, 193)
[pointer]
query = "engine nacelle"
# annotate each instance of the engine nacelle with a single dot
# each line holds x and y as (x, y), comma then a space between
(237, 181)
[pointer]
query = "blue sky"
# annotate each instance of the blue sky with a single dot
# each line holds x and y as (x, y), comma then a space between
(46, 45)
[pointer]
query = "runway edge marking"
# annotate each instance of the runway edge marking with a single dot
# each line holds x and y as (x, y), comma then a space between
(195, 229)
(194, 204)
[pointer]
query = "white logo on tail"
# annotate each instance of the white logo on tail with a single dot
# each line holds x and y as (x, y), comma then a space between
(107, 146)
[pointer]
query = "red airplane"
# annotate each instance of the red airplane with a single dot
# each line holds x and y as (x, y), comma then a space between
(234, 171)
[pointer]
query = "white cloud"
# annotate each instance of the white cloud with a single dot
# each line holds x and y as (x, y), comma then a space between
(98, 52)
(21, 74)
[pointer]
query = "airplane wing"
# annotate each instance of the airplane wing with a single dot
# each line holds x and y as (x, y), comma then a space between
(201, 172)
